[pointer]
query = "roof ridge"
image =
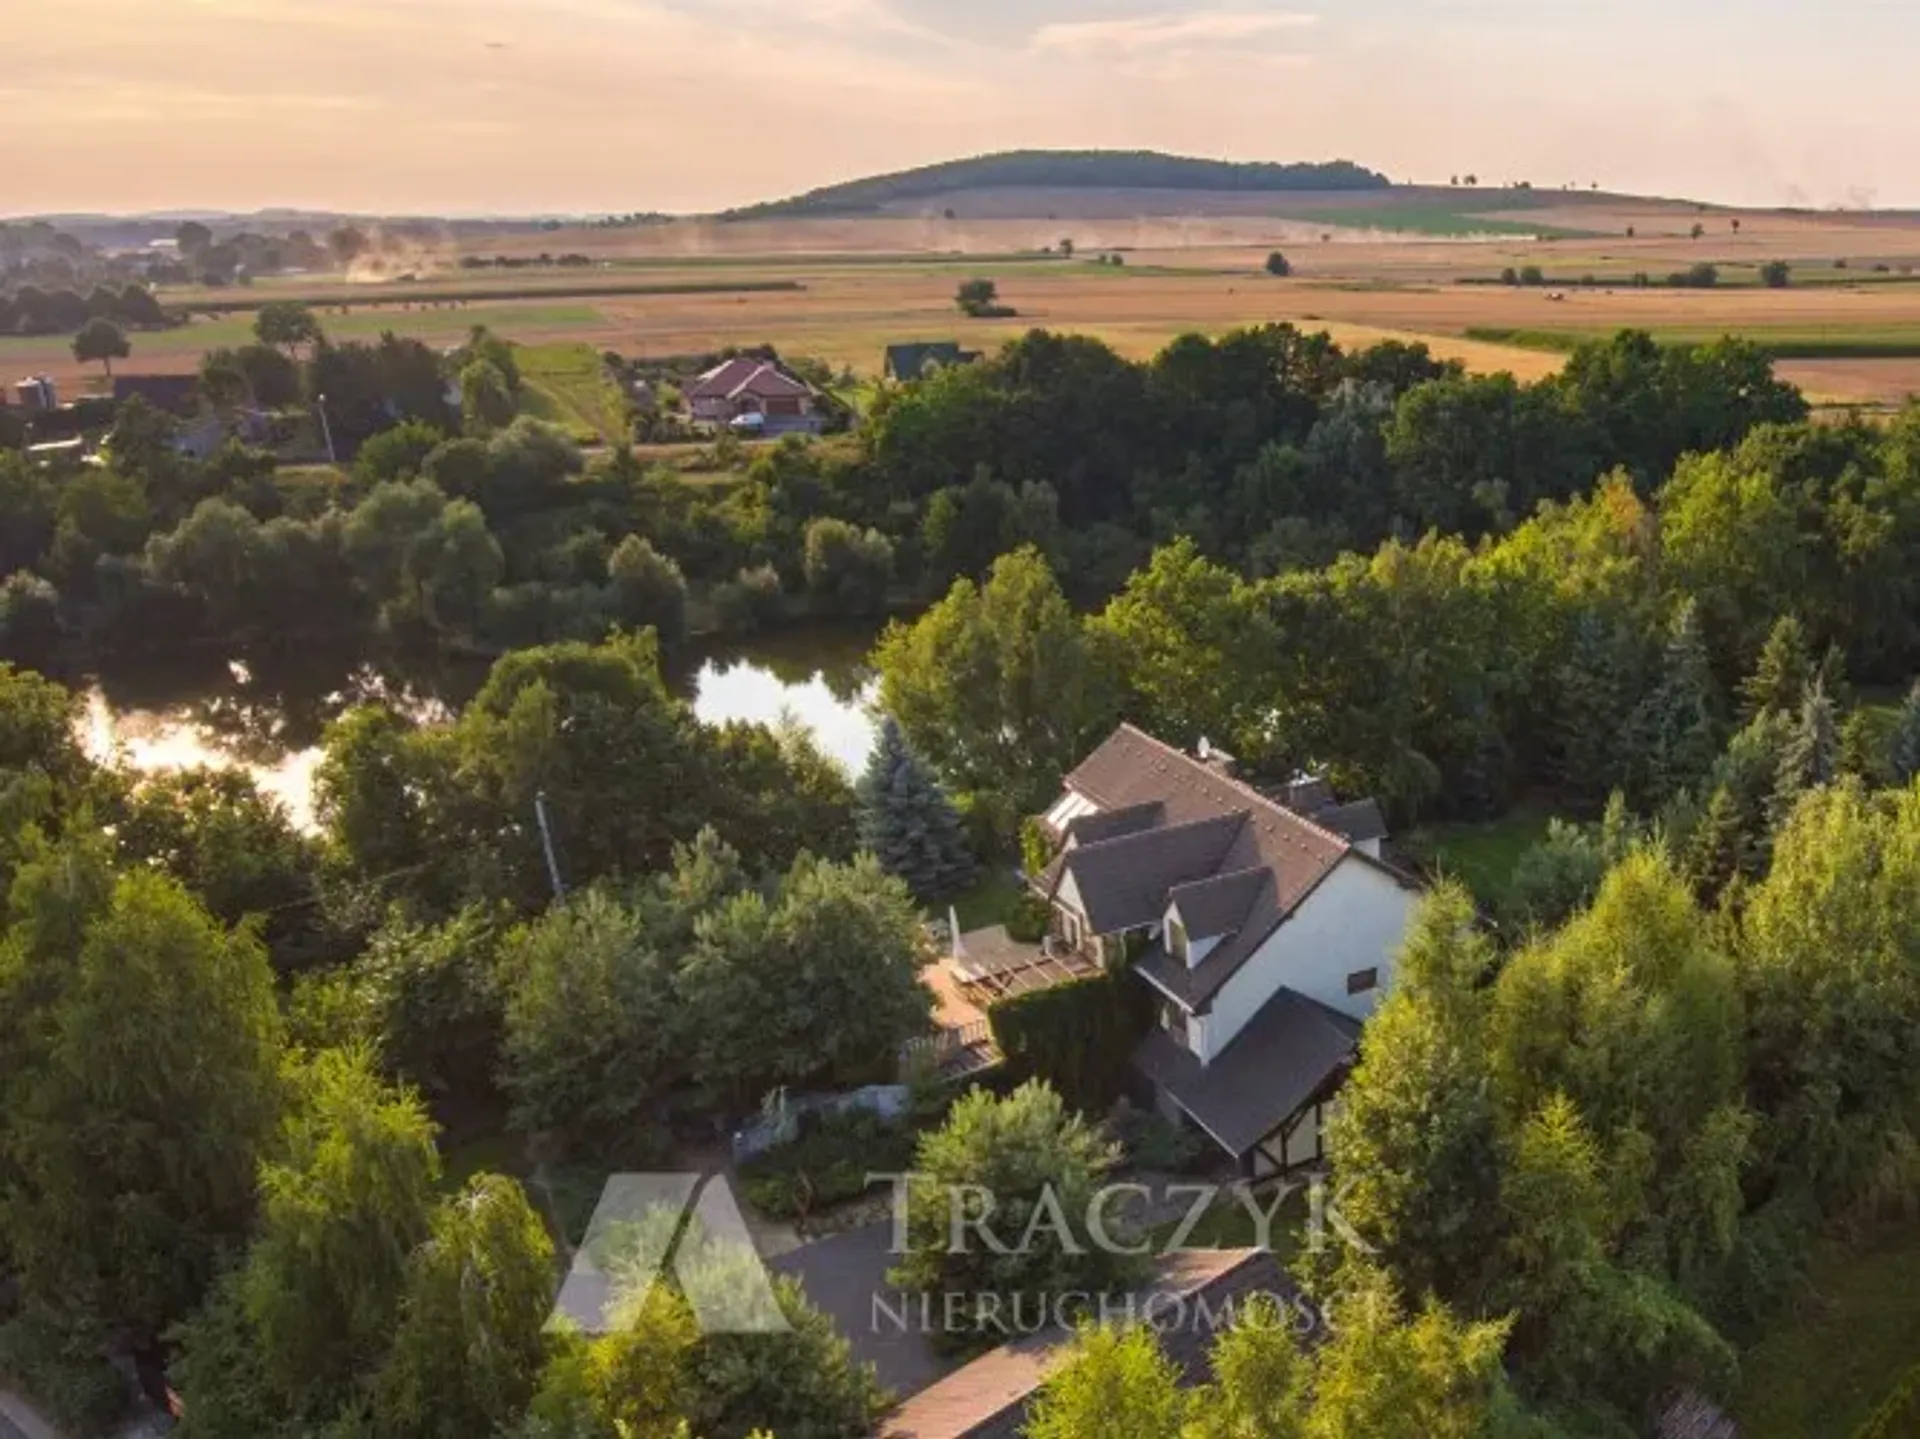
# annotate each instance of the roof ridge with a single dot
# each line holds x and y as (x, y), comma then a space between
(1238, 816)
(1237, 783)
(1261, 870)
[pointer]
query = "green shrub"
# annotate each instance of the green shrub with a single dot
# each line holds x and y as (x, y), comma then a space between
(1077, 1037)
(1898, 1414)
(68, 1377)
(1152, 1142)
(827, 1164)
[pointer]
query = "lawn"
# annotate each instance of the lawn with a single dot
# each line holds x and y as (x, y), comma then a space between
(1230, 1224)
(995, 899)
(568, 386)
(1842, 1348)
(1481, 855)
(1798, 342)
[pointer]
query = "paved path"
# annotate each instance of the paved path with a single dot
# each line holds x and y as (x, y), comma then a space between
(17, 1421)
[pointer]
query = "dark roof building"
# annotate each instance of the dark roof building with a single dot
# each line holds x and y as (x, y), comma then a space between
(912, 361)
(176, 394)
(1267, 932)
(1193, 1298)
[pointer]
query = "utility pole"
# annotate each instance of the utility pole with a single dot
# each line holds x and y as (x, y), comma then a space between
(546, 844)
(326, 430)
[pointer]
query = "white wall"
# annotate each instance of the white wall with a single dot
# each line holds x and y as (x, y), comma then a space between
(1356, 919)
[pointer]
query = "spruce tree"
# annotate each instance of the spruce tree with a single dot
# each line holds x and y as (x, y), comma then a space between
(1675, 728)
(1903, 745)
(1596, 686)
(1716, 849)
(1781, 674)
(907, 821)
(1811, 758)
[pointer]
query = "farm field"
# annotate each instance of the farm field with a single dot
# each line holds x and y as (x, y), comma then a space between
(845, 288)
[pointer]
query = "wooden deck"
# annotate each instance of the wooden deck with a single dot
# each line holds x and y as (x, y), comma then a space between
(990, 966)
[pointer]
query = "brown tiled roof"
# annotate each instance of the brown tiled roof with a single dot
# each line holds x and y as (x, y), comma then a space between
(768, 380)
(719, 382)
(1283, 1057)
(1123, 883)
(988, 1399)
(1133, 768)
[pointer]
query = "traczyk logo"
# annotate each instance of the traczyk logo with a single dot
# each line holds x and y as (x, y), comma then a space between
(683, 1228)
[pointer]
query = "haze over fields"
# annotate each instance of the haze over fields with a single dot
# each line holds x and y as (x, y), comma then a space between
(482, 106)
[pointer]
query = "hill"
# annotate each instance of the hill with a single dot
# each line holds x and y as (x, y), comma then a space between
(1066, 170)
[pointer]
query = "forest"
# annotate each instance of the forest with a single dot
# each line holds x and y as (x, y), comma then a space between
(1593, 1134)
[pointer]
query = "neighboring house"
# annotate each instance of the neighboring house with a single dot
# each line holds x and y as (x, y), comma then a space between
(36, 394)
(1266, 927)
(1193, 1297)
(199, 437)
(912, 361)
(749, 393)
(174, 394)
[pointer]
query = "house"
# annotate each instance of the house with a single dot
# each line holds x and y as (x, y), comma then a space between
(1265, 924)
(1191, 1299)
(753, 394)
(36, 395)
(174, 394)
(911, 361)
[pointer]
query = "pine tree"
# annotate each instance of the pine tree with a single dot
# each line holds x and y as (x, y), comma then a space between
(1716, 847)
(1782, 673)
(1903, 745)
(906, 819)
(1675, 728)
(1811, 759)
(1595, 688)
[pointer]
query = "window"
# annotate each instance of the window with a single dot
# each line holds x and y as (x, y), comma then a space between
(1177, 940)
(1363, 980)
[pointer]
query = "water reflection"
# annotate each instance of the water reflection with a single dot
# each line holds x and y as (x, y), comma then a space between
(268, 719)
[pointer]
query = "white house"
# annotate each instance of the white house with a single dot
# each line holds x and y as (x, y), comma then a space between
(1267, 928)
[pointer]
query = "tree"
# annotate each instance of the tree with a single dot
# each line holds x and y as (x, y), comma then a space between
(101, 340)
(1903, 745)
(1192, 644)
(486, 401)
(1278, 265)
(1780, 677)
(977, 298)
(1675, 729)
(469, 1347)
(343, 1207)
(818, 984)
(1698, 230)
(192, 237)
(908, 822)
(1041, 1166)
(1114, 1382)
(846, 567)
(1261, 1387)
(1811, 757)
(648, 591)
(591, 1030)
(142, 1051)
(1414, 1136)
(1776, 274)
(288, 324)
(998, 685)
(1385, 1375)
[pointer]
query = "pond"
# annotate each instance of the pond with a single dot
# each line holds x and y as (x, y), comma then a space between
(234, 719)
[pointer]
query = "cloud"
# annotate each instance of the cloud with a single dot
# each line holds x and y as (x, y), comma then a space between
(1145, 34)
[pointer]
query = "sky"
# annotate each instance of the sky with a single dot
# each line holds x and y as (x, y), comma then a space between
(590, 106)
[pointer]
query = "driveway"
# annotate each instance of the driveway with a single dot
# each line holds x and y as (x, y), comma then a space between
(846, 1278)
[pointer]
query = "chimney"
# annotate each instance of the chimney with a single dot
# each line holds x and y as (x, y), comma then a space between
(1214, 758)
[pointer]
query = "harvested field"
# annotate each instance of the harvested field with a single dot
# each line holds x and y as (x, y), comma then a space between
(843, 289)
